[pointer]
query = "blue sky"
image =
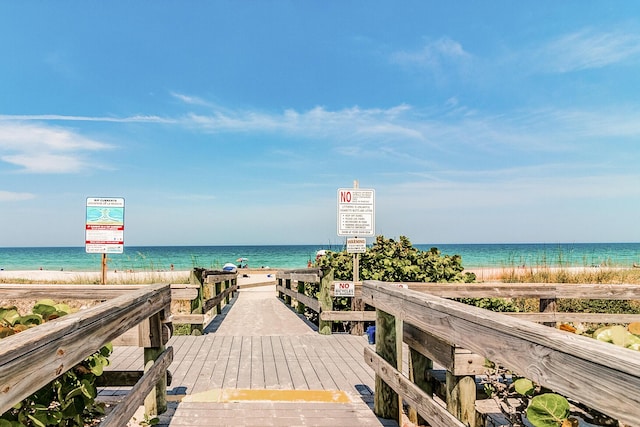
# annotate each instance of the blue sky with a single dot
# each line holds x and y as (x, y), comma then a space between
(235, 122)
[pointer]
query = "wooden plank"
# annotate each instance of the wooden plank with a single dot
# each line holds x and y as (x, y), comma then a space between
(529, 290)
(61, 291)
(349, 316)
(454, 359)
(428, 408)
(207, 359)
(293, 364)
(54, 347)
(184, 291)
(577, 317)
(244, 363)
(191, 319)
(600, 375)
(311, 303)
(284, 376)
(218, 376)
(123, 412)
(308, 369)
(269, 364)
(257, 364)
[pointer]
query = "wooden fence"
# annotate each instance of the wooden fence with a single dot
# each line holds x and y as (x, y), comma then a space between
(459, 337)
(56, 346)
(291, 287)
(207, 292)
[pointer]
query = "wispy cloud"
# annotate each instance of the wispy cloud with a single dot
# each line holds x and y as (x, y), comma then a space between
(586, 49)
(9, 196)
(40, 148)
(434, 54)
(64, 118)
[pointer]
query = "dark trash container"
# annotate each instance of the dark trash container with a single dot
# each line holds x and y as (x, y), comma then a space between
(371, 333)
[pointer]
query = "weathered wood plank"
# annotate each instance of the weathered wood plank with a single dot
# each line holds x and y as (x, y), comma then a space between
(425, 405)
(349, 316)
(602, 376)
(123, 412)
(530, 290)
(311, 303)
(54, 347)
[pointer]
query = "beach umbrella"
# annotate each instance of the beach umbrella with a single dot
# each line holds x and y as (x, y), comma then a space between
(242, 259)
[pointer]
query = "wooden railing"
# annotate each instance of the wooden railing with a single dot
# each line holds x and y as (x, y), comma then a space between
(459, 337)
(56, 346)
(291, 287)
(207, 292)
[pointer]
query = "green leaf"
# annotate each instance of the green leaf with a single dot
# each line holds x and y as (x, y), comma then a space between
(38, 421)
(524, 387)
(548, 410)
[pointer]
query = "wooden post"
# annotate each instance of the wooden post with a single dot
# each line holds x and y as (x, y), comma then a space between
(386, 400)
(461, 398)
(197, 304)
(419, 367)
(326, 302)
(548, 306)
(357, 328)
(287, 298)
(280, 294)
(156, 402)
(301, 306)
(227, 285)
(103, 277)
(218, 291)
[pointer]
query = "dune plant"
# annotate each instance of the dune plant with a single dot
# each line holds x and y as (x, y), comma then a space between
(67, 401)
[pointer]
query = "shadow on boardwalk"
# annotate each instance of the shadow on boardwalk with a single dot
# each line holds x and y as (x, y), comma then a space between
(261, 364)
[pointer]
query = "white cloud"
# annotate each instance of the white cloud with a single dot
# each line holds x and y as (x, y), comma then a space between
(38, 148)
(587, 49)
(433, 55)
(9, 196)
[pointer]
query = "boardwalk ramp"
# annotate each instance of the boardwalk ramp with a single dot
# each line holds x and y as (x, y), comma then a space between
(260, 364)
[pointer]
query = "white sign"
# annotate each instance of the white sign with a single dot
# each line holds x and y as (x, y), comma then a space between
(356, 212)
(104, 228)
(356, 245)
(344, 289)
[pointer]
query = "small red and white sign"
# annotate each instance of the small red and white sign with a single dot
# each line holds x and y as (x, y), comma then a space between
(344, 289)
(356, 245)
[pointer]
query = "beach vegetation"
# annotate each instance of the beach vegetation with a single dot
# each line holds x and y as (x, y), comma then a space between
(397, 261)
(70, 399)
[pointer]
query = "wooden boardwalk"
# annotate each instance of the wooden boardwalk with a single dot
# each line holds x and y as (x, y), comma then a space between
(260, 364)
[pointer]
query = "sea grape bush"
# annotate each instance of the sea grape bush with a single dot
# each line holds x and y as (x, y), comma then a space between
(397, 261)
(69, 400)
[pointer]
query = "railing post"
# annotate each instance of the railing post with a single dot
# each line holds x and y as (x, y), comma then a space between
(326, 302)
(419, 367)
(461, 397)
(197, 304)
(301, 290)
(386, 400)
(218, 287)
(227, 285)
(548, 305)
(151, 329)
(287, 298)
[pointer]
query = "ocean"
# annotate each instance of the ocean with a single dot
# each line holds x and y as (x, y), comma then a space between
(161, 258)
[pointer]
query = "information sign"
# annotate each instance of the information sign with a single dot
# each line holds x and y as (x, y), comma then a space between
(356, 212)
(104, 228)
(344, 289)
(356, 245)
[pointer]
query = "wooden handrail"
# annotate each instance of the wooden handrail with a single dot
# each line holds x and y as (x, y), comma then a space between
(600, 375)
(56, 346)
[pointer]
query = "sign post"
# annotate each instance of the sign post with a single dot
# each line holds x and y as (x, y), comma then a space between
(104, 228)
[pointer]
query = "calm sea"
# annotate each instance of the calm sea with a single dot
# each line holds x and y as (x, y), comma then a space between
(159, 258)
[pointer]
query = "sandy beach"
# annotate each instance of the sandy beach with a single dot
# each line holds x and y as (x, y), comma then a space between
(245, 277)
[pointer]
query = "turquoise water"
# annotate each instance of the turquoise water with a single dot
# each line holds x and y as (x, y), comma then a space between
(159, 258)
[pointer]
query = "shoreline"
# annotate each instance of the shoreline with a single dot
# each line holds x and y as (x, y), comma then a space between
(245, 276)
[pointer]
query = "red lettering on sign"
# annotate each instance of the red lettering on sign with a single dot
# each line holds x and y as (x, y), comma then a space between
(345, 196)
